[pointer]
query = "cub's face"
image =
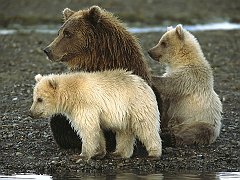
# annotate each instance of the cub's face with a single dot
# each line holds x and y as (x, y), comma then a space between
(75, 36)
(44, 99)
(168, 46)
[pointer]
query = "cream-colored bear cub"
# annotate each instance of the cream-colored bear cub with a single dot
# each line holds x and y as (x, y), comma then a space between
(116, 100)
(192, 108)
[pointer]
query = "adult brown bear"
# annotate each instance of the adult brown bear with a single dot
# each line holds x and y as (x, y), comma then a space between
(94, 40)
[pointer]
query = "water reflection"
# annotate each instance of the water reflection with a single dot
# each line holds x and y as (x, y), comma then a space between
(53, 29)
(131, 176)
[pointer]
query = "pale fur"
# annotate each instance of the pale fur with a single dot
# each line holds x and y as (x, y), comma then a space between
(115, 100)
(193, 111)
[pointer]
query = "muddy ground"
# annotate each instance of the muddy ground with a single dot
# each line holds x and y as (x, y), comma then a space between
(27, 145)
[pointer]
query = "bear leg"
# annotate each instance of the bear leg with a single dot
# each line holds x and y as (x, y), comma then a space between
(194, 133)
(124, 147)
(110, 140)
(92, 139)
(148, 134)
(152, 142)
(63, 133)
(101, 152)
(67, 138)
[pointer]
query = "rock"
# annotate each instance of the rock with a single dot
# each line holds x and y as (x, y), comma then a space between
(18, 153)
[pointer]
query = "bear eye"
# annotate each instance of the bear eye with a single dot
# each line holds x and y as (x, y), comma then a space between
(67, 34)
(39, 100)
(163, 44)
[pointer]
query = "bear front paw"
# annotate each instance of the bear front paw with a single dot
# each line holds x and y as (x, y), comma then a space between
(116, 155)
(99, 155)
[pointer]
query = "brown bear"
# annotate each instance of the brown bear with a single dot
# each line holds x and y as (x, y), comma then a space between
(94, 40)
(116, 100)
(192, 108)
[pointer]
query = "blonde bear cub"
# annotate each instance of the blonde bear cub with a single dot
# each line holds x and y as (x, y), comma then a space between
(192, 109)
(115, 100)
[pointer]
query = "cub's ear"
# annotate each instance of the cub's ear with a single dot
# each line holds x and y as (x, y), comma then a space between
(179, 31)
(67, 13)
(169, 28)
(38, 77)
(94, 14)
(53, 83)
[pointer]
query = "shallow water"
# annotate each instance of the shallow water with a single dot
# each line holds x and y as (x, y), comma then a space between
(53, 29)
(197, 27)
(173, 176)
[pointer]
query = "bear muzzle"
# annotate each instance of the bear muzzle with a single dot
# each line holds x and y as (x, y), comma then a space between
(153, 55)
(48, 52)
(34, 115)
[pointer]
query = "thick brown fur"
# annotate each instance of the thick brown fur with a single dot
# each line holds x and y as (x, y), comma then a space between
(94, 40)
(98, 42)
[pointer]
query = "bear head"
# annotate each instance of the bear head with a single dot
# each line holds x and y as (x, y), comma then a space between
(44, 97)
(171, 47)
(94, 40)
(74, 35)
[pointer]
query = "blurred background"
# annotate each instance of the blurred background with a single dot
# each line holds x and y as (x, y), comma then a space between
(147, 12)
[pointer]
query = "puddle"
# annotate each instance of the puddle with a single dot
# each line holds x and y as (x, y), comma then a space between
(121, 176)
(26, 176)
(53, 29)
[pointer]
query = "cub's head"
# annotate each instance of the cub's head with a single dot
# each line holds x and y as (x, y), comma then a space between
(44, 97)
(169, 46)
(75, 35)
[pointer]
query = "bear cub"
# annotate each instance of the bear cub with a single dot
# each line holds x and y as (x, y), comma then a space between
(192, 108)
(117, 100)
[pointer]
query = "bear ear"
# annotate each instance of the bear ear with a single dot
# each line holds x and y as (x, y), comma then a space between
(169, 28)
(179, 31)
(67, 13)
(53, 83)
(38, 77)
(94, 14)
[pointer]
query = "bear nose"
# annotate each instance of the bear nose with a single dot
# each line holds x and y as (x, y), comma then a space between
(47, 50)
(153, 55)
(150, 53)
(30, 114)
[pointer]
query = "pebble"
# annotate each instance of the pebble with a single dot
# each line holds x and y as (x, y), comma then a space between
(15, 99)
(18, 153)
(31, 157)
(79, 160)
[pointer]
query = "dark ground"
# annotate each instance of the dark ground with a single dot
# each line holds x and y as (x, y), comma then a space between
(27, 145)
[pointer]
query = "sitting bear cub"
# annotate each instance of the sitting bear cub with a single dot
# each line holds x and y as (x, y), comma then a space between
(115, 100)
(192, 108)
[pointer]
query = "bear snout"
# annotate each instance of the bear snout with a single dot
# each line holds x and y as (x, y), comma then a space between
(48, 52)
(153, 55)
(33, 115)
(30, 113)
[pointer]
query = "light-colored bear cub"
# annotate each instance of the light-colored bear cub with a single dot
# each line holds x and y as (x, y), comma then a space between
(192, 108)
(115, 100)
